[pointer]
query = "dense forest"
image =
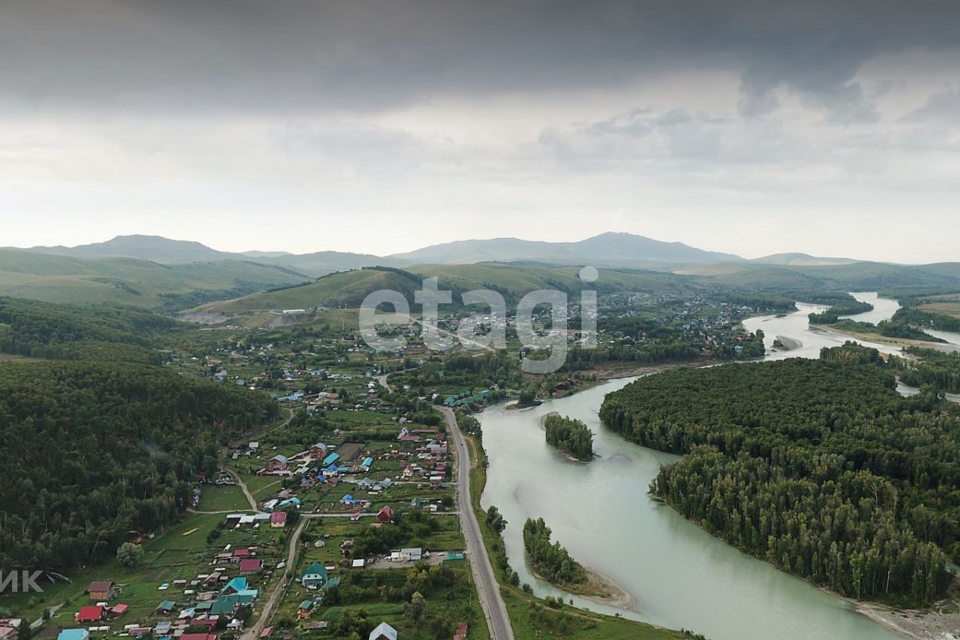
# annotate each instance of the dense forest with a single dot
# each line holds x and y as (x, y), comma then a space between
(101, 445)
(550, 560)
(69, 332)
(98, 452)
(570, 436)
(818, 467)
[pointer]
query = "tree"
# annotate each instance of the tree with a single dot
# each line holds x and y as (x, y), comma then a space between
(416, 608)
(130, 554)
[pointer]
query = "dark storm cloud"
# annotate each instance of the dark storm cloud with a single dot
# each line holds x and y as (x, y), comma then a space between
(244, 56)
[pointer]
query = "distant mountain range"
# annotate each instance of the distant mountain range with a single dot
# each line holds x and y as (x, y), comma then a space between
(173, 275)
(608, 249)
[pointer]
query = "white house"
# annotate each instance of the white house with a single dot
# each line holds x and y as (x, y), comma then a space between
(383, 632)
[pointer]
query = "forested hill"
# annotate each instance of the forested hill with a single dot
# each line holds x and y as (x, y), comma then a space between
(71, 332)
(100, 444)
(818, 467)
(95, 451)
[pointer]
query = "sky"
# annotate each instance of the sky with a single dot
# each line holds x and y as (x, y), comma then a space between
(745, 126)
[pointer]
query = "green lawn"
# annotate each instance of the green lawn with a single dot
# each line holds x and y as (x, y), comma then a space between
(222, 498)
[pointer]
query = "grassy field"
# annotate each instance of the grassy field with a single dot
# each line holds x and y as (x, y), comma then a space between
(222, 498)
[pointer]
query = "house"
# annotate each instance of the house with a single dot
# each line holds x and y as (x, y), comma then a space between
(367, 463)
(198, 636)
(278, 519)
(166, 606)
(74, 634)
(277, 463)
(250, 566)
(247, 596)
(413, 554)
(90, 614)
(314, 575)
(223, 606)
(294, 502)
(102, 591)
(385, 514)
(235, 586)
(117, 610)
(346, 545)
(383, 631)
(305, 609)
(365, 484)
(240, 554)
(318, 451)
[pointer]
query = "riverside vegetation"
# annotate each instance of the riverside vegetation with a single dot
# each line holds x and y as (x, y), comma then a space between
(570, 436)
(818, 467)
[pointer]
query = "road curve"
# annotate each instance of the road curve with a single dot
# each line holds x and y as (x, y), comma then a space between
(495, 610)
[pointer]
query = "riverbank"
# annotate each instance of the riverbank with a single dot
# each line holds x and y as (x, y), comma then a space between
(915, 625)
(880, 339)
(599, 588)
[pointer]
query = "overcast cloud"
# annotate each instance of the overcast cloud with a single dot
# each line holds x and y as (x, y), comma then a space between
(741, 126)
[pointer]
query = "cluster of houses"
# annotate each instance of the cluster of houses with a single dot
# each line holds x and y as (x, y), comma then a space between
(207, 601)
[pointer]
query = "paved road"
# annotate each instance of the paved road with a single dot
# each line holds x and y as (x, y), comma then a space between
(253, 633)
(490, 599)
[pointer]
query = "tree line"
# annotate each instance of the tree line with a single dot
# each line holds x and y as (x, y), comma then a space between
(550, 560)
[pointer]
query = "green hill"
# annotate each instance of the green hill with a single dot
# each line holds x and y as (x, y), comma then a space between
(349, 289)
(132, 282)
(346, 289)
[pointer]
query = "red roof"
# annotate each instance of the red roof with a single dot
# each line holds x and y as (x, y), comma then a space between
(241, 553)
(90, 614)
(198, 636)
(278, 517)
(251, 564)
(267, 632)
(118, 609)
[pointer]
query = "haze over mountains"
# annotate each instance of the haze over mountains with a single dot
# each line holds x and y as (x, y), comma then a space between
(604, 250)
(165, 275)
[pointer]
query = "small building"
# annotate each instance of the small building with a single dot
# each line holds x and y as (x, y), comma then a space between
(359, 563)
(277, 463)
(198, 636)
(102, 590)
(117, 610)
(250, 566)
(278, 519)
(331, 459)
(383, 631)
(314, 575)
(166, 606)
(367, 463)
(413, 554)
(385, 514)
(90, 614)
(305, 609)
(235, 586)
